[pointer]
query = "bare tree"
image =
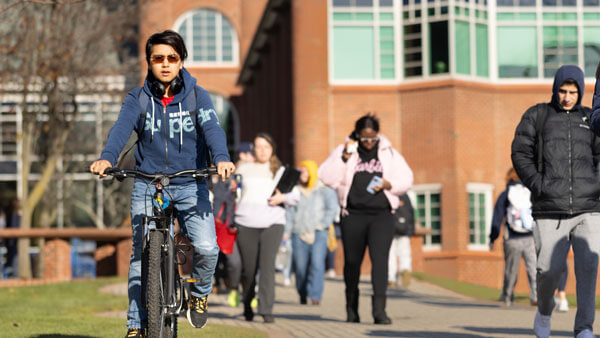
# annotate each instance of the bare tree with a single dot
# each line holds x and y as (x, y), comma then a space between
(55, 51)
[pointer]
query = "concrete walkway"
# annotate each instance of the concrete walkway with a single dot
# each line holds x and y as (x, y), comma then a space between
(422, 310)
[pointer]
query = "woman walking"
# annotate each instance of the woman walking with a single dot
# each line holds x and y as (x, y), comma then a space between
(310, 220)
(260, 220)
(368, 175)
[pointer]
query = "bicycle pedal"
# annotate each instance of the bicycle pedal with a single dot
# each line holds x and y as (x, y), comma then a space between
(190, 280)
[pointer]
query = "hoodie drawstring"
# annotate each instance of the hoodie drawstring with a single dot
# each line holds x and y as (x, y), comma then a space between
(152, 125)
(180, 127)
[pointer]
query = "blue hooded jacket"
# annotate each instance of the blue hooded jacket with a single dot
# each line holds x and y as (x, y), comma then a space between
(168, 141)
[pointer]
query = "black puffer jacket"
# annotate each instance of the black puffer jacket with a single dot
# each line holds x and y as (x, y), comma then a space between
(568, 184)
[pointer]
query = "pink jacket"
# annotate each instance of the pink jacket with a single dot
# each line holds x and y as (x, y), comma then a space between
(338, 174)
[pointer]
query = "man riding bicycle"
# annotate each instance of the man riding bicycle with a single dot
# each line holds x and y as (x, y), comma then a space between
(176, 125)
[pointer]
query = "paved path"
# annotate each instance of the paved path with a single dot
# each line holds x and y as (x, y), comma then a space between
(422, 310)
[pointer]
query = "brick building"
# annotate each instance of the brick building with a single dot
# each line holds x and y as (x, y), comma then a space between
(448, 78)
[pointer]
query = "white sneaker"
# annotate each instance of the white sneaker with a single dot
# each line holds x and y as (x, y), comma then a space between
(541, 325)
(563, 305)
(287, 281)
(331, 273)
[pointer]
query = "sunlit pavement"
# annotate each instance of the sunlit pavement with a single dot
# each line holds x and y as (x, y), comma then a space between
(421, 310)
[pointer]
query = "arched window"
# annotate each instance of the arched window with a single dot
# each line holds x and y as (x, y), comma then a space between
(209, 37)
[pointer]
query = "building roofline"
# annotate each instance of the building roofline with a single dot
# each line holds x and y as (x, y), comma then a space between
(260, 40)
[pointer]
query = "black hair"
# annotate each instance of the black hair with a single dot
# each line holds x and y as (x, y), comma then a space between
(367, 121)
(570, 82)
(167, 37)
(598, 70)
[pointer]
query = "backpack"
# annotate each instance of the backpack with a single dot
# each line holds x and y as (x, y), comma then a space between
(143, 100)
(518, 211)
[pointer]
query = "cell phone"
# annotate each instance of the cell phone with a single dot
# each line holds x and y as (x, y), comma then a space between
(375, 181)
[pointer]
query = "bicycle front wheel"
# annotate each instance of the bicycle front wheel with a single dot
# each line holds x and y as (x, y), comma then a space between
(158, 323)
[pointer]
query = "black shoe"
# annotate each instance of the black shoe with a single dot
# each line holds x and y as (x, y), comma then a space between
(135, 333)
(197, 312)
(248, 314)
(385, 320)
(268, 319)
(352, 317)
(303, 300)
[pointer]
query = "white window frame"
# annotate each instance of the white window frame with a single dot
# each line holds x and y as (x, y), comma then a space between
(428, 190)
(219, 63)
(492, 23)
(376, 24)
(487, 190)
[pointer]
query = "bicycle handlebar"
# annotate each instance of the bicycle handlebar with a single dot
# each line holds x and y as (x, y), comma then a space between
(126, 173)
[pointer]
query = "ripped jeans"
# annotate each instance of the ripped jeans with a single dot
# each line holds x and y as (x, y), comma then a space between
(195, 217)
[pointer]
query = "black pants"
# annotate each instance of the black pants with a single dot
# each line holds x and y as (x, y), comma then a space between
(362, 230)
(258, 248)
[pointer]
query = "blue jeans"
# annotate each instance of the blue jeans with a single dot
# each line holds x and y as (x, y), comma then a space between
(195, 217)
(309, 264)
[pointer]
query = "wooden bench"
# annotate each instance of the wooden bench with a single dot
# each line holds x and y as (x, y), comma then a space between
(113, 249)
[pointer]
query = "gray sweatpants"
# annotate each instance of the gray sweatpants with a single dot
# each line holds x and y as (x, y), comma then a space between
(552, 240)
(514, 249)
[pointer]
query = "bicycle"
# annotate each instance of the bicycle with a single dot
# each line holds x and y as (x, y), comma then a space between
(163, 289)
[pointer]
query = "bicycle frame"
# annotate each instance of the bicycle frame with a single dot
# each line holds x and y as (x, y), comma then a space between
(163, 217)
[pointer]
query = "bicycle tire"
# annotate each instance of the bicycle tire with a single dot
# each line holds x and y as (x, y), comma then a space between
(157, 319)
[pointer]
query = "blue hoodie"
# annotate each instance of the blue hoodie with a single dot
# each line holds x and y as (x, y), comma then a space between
(167, 147)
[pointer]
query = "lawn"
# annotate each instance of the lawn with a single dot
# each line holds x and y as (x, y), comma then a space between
(482, 292)
(69, 310)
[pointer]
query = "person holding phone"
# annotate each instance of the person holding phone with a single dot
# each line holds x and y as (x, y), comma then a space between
(368, 175)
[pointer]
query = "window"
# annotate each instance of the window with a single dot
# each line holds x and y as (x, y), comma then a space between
(591, 50)
(481, 43)
(517, 52)
(438, 47)
(522, 3)
(480, 214)
(463, 47)
(413, 66)
(209, 37)
(428, 213)
(363, 46)
(555, 3)
(560, 48)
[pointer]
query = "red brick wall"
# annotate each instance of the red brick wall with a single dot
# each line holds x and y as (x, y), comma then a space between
(243, 15)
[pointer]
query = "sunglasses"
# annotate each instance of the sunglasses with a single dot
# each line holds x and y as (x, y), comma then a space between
(156, 59)
(369, 139)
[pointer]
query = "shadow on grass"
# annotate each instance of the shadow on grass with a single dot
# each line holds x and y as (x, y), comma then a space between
(56, 335)
(429, 334)
(514, 331)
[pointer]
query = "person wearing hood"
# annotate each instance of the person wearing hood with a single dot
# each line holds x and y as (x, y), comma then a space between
(309, 222)
(176, 125)
(518, 236)
(368, 175)
(556, 155)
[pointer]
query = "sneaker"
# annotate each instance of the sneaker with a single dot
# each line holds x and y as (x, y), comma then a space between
(563, 305)
(287, 281)
(541, 325)
(197, 312)
(233, 299)
(268, 319)
(585, 334)
(331, 273)
(135, 333)
(254, 303)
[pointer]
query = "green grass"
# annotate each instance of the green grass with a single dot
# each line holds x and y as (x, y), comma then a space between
(69, 310)
(482, 292)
